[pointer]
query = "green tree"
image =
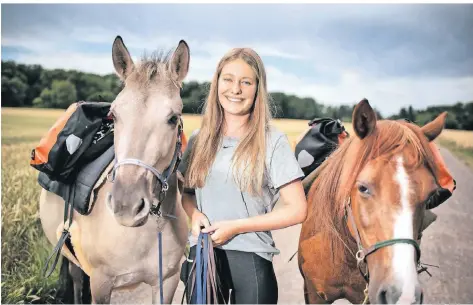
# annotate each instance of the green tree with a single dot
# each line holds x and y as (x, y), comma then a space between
(104, 96)
(379, 116)
(62, 94)
(44, 100)
(13, 92)
(403, 113)
(280, 107)
(411, 114)
(468, 120)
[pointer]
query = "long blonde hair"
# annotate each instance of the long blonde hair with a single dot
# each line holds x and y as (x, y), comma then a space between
(248, 161)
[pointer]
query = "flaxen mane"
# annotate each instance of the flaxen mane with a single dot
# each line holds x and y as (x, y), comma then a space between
(337, 176)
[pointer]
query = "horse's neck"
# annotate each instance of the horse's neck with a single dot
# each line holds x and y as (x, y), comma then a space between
(344, 260)
(350, 244)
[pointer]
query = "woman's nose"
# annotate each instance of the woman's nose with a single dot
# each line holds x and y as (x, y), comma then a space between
(236, 88)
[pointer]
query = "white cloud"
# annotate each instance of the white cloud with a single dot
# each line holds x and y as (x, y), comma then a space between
(388, 94)
(329, 70)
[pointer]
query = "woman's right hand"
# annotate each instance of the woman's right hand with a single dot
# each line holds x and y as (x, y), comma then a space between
(199, 220)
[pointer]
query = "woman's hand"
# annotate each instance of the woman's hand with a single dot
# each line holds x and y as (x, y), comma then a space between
(222, 231)
(199, 220)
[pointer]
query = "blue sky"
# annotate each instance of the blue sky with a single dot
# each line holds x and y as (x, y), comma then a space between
(394, 55)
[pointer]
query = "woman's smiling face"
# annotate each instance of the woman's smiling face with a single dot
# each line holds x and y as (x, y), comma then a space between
(237, 87)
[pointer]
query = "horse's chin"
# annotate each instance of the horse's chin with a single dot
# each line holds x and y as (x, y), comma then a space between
(141, 222)
(132, 223)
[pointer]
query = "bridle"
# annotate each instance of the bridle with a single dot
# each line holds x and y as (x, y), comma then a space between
(163, 177)
(435, 198)
(446, 186)
(363, 253)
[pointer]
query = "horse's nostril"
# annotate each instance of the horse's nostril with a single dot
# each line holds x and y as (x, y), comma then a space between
(141, 206)
(419, 295)
(382, 299)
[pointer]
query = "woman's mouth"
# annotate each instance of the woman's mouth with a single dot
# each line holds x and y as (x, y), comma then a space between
(234, 100)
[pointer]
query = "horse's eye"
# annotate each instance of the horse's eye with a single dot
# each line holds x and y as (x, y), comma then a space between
(363, 189)
(173, 120)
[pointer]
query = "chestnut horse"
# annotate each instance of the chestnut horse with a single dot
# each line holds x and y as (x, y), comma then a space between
(366, 209)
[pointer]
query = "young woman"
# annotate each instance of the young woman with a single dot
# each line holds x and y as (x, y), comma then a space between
(236, 167)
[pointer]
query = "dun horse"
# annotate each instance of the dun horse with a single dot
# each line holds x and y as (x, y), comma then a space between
(117, 243)
(367, 206)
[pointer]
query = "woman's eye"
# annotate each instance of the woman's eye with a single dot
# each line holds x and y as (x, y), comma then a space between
(247, 83)
(227, 79)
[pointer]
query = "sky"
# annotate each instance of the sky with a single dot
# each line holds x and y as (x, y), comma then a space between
(395, 55)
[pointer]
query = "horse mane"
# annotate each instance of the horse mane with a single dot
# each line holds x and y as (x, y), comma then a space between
(337, 175)
(151, 66)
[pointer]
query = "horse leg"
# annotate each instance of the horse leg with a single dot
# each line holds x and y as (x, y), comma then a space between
(169, 289)
(77, 282)
(65, 287)
(170, 285)
(306, 293)
(81, 285)
(100, 287)
(155, 294)
(312, 296)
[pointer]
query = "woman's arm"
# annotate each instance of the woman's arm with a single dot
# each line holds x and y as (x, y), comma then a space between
(292, 211)
(198, 219)
(189, 203)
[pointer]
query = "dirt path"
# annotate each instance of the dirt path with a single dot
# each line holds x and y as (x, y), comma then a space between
(448, 243)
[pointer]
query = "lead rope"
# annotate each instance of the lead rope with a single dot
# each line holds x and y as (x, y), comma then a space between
(160, 259)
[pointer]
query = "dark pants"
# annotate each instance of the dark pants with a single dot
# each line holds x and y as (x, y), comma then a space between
(250, 277)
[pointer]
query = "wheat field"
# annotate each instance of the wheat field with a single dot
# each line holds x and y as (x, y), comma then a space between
(24, 247)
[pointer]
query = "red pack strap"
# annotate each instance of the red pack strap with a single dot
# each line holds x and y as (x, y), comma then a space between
(342, 136)
(184, 142)
(444, 178)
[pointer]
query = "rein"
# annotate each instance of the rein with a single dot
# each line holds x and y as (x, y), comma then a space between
(203, 274)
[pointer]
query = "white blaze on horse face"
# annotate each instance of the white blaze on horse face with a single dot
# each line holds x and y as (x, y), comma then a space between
(405, 272)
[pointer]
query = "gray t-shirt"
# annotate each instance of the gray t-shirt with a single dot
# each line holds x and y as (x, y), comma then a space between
(221, 199)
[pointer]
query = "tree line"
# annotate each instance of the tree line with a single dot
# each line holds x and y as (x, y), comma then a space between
(33, 86)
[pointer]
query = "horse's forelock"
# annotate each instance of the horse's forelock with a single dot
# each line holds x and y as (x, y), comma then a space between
(151, 67)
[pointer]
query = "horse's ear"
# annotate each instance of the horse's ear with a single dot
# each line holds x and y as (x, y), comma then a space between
(121, 59)
(179, 63)
(434, 128)
(364, 119)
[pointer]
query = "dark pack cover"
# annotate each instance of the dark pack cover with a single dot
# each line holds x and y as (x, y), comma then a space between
(324, 136)
(81, 134)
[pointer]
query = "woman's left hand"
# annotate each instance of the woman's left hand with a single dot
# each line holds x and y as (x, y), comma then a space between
(222, 231)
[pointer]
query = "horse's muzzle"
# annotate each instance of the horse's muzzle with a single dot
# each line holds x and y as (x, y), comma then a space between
(392, 294)
(129, 215)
